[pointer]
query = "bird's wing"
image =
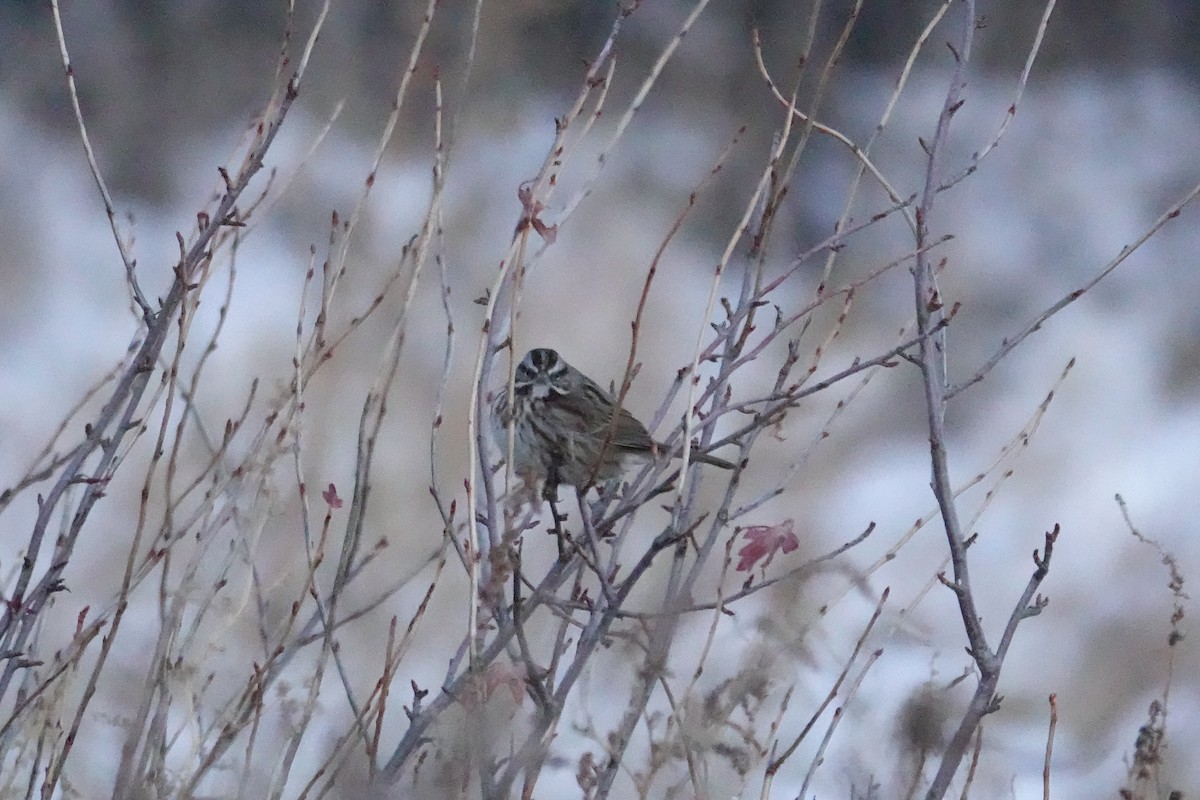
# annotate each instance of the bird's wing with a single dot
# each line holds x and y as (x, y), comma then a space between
(629, 433)
(593, 407)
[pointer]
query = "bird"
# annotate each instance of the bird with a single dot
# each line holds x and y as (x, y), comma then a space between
(568, 430)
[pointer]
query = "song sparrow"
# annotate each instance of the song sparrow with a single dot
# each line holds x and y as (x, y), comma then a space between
(564, 429)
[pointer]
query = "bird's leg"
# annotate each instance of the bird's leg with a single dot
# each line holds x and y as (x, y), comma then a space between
(516, 588)
(557, 530)
(584, 516)
(550, 494)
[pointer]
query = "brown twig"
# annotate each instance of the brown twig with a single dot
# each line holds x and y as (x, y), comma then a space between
(127, 258)
(778, 761)
(1049, 747)
(1010, 343)
(932, 363)
(118, 417)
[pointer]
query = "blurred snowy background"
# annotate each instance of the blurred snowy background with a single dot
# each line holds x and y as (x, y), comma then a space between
(1106, 137)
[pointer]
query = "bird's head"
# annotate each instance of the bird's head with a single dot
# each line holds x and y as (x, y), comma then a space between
(541, 374)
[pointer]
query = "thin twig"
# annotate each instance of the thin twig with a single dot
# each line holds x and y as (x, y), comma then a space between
(1010, 343)
(1049, 747)
(126, 257)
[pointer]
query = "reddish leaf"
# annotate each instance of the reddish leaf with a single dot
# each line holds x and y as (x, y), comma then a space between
(331, 497)
(764, 541)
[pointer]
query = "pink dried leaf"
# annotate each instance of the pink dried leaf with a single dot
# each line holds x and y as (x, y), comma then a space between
(764, 541)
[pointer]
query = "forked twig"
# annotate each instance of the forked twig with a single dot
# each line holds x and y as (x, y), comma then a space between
(126, 257)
